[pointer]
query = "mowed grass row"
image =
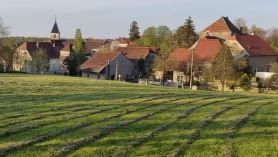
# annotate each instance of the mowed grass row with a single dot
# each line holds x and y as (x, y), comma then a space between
(122, 112)
(44, 115)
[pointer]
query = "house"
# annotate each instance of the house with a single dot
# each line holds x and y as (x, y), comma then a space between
(57, 49)
(26, 51)
(108, 66)
(122, 42)
(223, 28)
(3, 65)
(259, 54)
(141, 57)
(204, 51)
(257, 51)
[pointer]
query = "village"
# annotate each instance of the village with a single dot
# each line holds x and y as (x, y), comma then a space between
(188, 60)
(148, 78)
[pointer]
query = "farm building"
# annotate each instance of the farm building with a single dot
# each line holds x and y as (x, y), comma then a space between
(204, 51)
(255, 50)
(108, 66)
(141, 57)
(259, 54)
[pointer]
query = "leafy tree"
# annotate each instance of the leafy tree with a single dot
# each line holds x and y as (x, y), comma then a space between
(74, 61)
(223, 65)
(207, 73)
(274, 67)
(272, 82)
(161, 62)
(245, 82)
(134, 33)
(241, 24)
(40, 61)
(154, 36)
(78, 44)
(258, 31)
(162, 33)
(149, 37)
(273, 39)
(186, 35)
(78, 56)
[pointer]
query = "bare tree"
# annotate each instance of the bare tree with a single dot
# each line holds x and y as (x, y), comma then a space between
(258, 31)
(4, 30)
(240, 22)
(40, 61)
(242, 25)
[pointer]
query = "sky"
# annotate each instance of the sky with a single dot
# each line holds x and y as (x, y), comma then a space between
(112, 18)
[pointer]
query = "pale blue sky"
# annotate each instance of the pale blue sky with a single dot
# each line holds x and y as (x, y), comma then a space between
(111, 18)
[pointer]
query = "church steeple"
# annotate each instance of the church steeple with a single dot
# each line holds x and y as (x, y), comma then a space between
(55, 33)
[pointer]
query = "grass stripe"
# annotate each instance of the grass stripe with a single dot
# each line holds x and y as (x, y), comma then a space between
(107, 131)
(70, 111)
(180, 151)
(41, 138)
(68, 107)
(141, 140)
(235, 127)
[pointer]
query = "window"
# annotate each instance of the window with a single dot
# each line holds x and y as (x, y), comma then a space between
(268, 68)
(180, 78)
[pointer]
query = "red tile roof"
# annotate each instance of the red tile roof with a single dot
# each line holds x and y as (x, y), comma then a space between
(255, 46)
(51, 51)
(180, 55)
(222, 25)
(205, 50)
(136, 52)
(99, 61)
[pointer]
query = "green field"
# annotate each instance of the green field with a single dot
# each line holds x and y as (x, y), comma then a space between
(44, 116)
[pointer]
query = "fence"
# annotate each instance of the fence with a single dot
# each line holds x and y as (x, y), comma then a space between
(161, 83)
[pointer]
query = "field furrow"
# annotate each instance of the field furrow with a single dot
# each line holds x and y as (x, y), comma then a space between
(41, 138)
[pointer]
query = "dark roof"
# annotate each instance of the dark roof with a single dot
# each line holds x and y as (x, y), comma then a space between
(99, 61)
(222, 25)
(255, 46)
(136, 52)
(89, 44)
(55, 28)
(52, 52)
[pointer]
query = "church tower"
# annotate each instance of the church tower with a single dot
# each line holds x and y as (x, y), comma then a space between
(55, 33)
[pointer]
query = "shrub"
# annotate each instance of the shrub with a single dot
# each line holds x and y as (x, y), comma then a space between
(245, 82)
(272, 82)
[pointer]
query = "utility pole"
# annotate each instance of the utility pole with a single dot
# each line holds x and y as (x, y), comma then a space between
(191, 69)
(117, 70)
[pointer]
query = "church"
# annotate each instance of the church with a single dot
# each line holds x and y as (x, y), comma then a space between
(57, 50)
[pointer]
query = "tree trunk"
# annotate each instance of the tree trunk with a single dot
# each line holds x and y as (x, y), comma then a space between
(223, 85)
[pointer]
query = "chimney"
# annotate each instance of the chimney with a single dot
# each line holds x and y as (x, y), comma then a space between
(241, 30)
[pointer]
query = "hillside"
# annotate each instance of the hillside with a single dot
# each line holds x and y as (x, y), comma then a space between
(65, 116)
